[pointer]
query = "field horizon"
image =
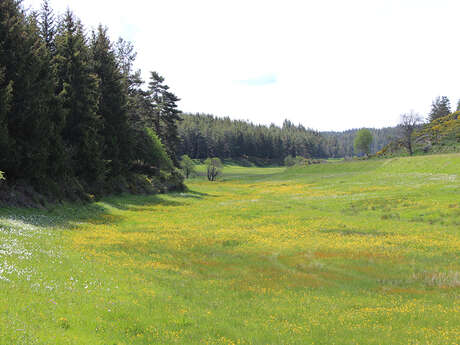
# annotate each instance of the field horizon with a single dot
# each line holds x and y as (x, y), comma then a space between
(361, 252)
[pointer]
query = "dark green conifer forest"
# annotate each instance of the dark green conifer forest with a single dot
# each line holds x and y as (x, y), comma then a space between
(209, 136)
(75, 121)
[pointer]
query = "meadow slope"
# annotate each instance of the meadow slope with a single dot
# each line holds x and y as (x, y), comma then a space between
(362, 252)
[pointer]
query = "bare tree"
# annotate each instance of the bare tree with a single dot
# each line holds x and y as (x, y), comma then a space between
(213, 167)
(408, 124)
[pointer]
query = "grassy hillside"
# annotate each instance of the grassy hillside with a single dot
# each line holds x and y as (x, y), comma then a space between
(362, 252)
(439, 136)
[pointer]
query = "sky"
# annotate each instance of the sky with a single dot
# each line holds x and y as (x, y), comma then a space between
(326, 64)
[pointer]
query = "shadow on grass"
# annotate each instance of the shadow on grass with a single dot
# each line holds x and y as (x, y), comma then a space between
(128, 202)
(68, 215)
(193, 194)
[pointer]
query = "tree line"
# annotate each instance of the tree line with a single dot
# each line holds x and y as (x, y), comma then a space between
(73, 111)
(210, 136)
(204, 135)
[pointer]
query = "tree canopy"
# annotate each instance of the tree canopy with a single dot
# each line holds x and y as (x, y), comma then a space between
(363, 141)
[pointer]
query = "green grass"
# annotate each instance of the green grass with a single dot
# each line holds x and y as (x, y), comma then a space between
(363, 252)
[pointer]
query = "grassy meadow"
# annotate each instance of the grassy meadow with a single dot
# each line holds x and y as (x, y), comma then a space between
(363, 252)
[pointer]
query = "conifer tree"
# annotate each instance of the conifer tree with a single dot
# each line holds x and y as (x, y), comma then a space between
(27, 87)
(439, 108)
(58, 165)
(112, 103)
(11, 50)
(48, 27)
(5, 100)
(165, 114)
(46, 119)
(78, 88)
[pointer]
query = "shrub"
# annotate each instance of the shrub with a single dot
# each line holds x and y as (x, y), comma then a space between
(299, 160)
(289, 161)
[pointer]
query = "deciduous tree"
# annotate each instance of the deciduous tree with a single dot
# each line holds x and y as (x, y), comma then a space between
(363, 141)
(213, 168)
(187, 166)
(408, 123)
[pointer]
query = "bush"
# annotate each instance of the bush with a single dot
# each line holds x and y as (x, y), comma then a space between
(301, 161)
(289, 161)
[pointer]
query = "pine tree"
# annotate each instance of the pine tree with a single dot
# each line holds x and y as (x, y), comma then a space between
(78, 88)
(439, 108)
(165, 114)
(157, 90)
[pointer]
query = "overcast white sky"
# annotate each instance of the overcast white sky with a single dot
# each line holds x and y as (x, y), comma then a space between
(328, 64)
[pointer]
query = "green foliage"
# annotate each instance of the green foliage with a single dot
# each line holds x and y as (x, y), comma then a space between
(2, 177)
(79, 90)
(363, 141)
(300, 161)
(441, 132)
(112, 105)
(6, 90)
(150, 153)
(289, 161)
(65, 102)
(214, 168)
(27, 99)
(206, 135)
(187, 165)
(165, 114)
(439, 108)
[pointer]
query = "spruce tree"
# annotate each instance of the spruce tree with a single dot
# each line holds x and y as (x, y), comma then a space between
(6, 89)
(46, 119)
(11, 55)
(112, 103)
(48, 27)
(27, 81)
(78, 88)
